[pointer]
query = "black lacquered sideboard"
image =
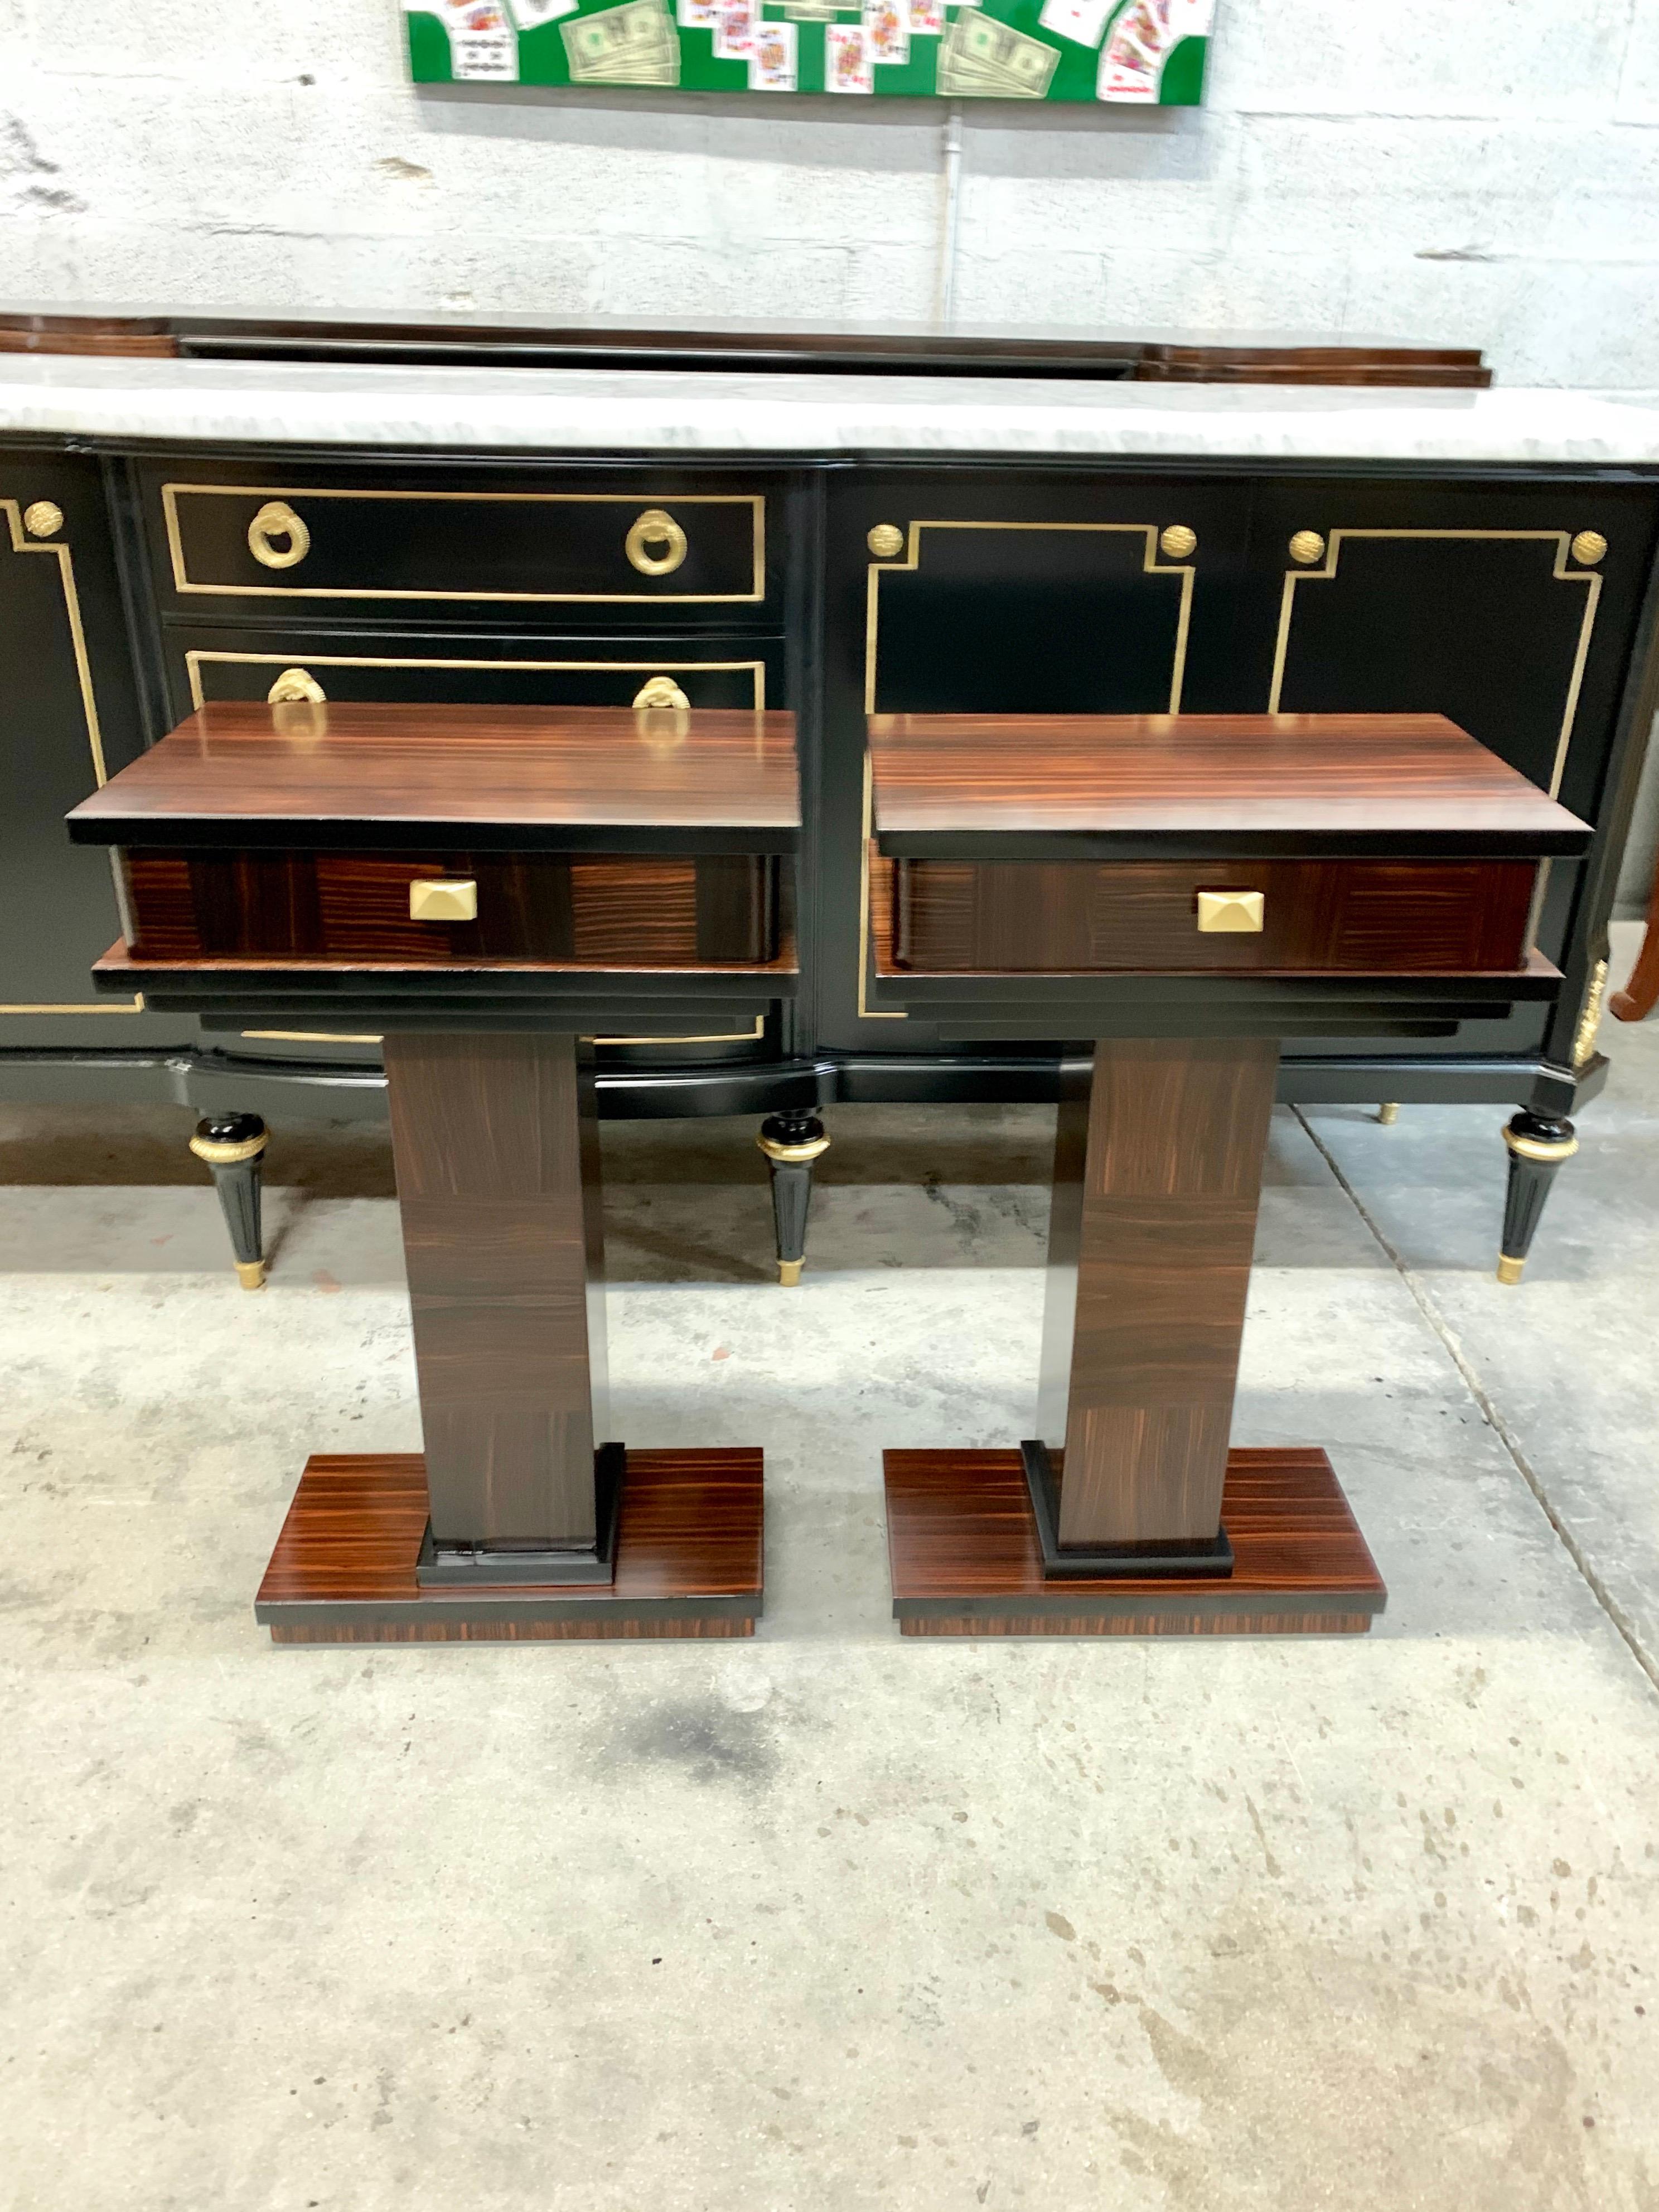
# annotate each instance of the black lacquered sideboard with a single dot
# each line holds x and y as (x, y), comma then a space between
(141, 576)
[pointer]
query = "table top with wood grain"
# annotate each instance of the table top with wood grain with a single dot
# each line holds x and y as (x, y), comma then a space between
(1013, 786)
(575, 779)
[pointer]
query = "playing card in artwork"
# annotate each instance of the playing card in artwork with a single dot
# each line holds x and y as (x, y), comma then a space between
(734, 28)
(772, 65)
(887, 30)
(531, 14)
(1082, 20)
(846, 60)
(482, 45)
(1143, 35)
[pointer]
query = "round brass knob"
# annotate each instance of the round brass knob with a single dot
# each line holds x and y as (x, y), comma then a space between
(294, 686)
(884, 540)
(277, 519)
(654, 527)
(1178, 542)
(1306, 547)
(43, 518)
(661, 691)
(1588, 546)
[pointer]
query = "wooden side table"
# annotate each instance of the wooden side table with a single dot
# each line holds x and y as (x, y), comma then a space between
(488, 889)
(1184, 891)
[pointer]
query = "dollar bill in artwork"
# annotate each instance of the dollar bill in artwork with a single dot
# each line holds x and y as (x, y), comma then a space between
(634, 44)
(982, 59)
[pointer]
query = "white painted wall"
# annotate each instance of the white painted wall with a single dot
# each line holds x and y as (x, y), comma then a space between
(1485, 171)
(1482, 173)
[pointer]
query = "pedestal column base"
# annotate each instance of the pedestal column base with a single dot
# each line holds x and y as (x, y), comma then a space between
(966, 1558)
(688, 1560)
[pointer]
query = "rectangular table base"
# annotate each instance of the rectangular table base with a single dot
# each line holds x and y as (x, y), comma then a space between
(966, 1561)
(687, 1560)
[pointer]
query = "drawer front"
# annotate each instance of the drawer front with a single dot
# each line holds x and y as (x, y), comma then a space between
(355, 907)
(1358, 917)
(296, 538)
(302, 665)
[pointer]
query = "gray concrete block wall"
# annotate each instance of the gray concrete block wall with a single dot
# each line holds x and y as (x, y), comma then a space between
(1483, 174)
(1487, 174)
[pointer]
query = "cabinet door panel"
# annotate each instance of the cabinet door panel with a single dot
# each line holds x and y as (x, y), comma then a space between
(1000, 592)
(68, 717)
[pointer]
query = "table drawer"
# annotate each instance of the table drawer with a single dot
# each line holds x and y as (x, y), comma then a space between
(355, 908)
(297, 539)
(1370, 917)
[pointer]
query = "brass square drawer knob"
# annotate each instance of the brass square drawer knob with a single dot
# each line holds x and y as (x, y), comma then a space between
(1239, 911)
(454, 898)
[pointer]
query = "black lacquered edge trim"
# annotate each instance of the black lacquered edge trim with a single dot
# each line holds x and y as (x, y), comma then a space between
(1210, 1557)
(1241, 844)
(220, 833)
(468, 1566)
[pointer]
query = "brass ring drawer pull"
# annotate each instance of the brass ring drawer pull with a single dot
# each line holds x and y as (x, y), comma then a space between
(277, 519)
(654, 527)
(1242, 912)
(297, 687)
(661, 691)
(447, 898)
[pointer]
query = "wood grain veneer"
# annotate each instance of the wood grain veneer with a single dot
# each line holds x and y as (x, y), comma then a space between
(531, 906)
(751, 343)
(1366, 917)
(687, 1560)
(1015, 787)
(965, 1560)
(576, 779)
(1157, 1169)
(496, 1143)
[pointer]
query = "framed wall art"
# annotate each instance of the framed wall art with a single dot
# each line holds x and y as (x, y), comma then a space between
(1146, 51)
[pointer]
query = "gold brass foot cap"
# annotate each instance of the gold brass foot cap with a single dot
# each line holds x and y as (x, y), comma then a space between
(789, 1273)
(1389, 1114)
(251, 1274)
(1508, 1270)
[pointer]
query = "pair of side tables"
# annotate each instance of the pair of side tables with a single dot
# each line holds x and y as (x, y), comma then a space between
(491, 887)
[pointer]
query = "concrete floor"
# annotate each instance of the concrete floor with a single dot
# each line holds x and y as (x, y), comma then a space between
(830, 1921)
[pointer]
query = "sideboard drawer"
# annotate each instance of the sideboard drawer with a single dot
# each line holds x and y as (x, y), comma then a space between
(294, 660)
(300, 540)
(1358, 917)
(355, 908)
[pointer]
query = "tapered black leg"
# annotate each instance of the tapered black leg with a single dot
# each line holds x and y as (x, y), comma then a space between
(792, 1142)
(1538, 1144)
(233, 1146)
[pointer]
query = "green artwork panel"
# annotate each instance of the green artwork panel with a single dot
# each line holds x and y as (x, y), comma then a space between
(1126, 52)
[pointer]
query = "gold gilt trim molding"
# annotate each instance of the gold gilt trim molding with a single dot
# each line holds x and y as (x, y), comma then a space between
(346, 1037)
(634, 502)
(196, 659)
(1561, 574)
(1151, 566)
(21, 543)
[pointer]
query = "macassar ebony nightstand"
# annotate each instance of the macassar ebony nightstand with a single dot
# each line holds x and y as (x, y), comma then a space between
(488, 888)
(1181, 893)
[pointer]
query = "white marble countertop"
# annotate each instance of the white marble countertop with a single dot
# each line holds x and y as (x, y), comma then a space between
(646, 412)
